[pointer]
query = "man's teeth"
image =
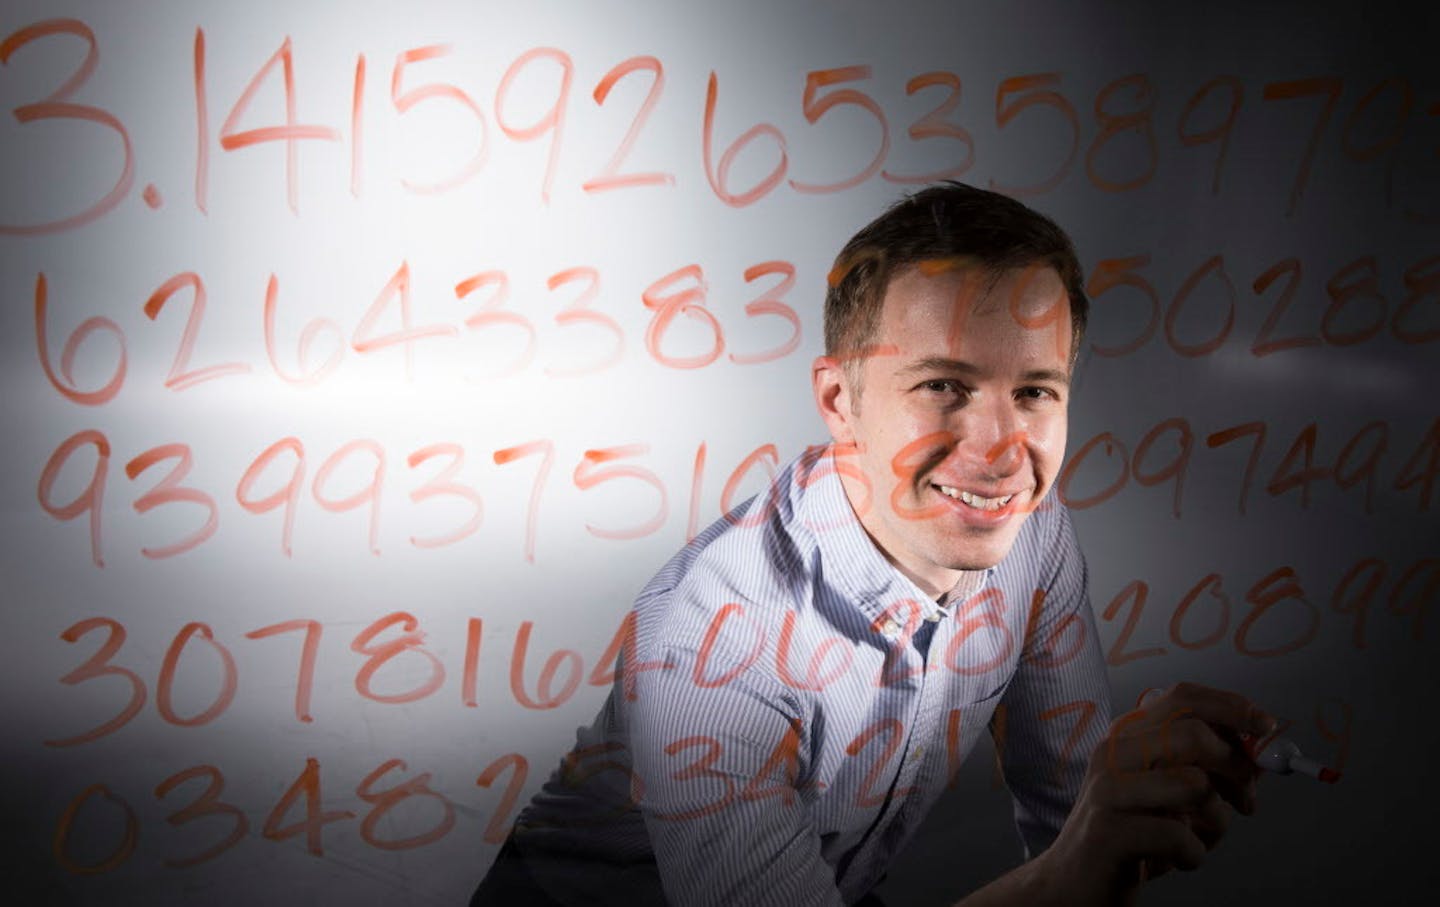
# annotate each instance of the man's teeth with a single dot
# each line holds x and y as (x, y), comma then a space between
(974, 500)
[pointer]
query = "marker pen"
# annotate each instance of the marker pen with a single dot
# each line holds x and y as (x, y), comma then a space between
(1273, 753)
(1282, 756)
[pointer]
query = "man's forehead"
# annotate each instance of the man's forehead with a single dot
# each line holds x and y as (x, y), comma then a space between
(1032, 295)
(932, 306)
(927, 365)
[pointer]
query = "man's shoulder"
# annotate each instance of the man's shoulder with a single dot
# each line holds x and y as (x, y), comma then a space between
(765, 557)
(759, 564)
(1044, 543)
(1048, 526)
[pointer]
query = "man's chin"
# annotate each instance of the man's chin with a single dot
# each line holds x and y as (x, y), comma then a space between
(972, 559)
(973, 566)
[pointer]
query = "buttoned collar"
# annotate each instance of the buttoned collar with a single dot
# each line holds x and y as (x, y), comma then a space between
(854, 565)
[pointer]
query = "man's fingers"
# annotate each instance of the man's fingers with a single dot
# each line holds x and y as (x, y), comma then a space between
(1153, 869)
(1138, 744)
(1161, 786)
(1211, 820)
(1179, 790)
(1236, 784)
(1208, 824)
(1178, 740)
(1218, 707)
(1159, 840)
(1186, 792)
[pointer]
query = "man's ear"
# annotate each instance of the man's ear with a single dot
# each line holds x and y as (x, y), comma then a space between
(833, 398)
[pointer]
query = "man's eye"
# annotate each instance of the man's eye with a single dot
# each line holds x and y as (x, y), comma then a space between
(941, 386)
(1037, 393)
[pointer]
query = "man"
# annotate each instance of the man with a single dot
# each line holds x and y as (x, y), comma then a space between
(805, 677)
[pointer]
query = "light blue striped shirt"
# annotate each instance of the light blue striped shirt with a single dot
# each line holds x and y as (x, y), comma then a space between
(791, 706)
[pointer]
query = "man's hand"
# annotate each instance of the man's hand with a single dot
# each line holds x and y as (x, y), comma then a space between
(1159, 792)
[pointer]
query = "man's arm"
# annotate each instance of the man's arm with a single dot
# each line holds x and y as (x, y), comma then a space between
(1057, 705)
(1158, 792)
(1097, 804)
(718, 764)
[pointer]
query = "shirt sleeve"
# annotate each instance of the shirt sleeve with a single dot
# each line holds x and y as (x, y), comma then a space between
(718, 753)
(1057, 706)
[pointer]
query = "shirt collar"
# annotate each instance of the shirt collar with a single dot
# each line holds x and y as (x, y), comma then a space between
(854, 565)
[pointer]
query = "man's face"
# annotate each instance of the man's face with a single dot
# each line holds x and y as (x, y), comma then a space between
(959, 427)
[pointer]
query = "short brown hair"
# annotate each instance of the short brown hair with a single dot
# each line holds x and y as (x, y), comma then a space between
(948, 221)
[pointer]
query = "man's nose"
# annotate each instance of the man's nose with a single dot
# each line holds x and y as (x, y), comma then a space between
(992, 438)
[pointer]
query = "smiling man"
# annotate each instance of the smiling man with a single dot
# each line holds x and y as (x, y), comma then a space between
(964, 403)
(804, 678)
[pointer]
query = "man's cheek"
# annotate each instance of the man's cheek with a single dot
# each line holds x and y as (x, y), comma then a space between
(919, 455)
(1047, 453)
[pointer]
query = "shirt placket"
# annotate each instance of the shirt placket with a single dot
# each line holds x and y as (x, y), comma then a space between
(907, 794)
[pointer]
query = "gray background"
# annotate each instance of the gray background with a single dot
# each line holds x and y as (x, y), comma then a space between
(1367, 706)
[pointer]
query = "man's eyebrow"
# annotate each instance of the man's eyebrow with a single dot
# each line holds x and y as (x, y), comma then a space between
(1052, 375)
(945, 364)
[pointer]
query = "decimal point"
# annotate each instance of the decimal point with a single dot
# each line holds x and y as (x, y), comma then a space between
(152, 197)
